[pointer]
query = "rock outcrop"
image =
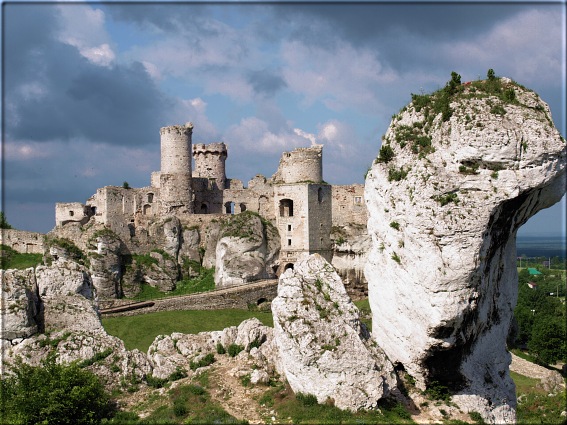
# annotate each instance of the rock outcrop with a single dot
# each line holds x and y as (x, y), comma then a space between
(21, 305)
(105, 264)
(247, 250)
(324, 349)
(458, 173)
(350, 254)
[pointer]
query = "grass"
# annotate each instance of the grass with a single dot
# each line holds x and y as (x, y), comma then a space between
(535, 406)
(364, 307)
(302, 409)
(12, 259)
(140, 331)
(202, 283)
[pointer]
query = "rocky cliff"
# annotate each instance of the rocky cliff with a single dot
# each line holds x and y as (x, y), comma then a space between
(323, 347)
(458, 173)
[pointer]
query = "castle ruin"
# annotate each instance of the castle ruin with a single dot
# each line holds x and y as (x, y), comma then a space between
(296, 199)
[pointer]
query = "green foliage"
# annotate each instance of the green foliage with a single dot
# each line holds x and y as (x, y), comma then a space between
(154, 382)
(53, 393)
(396, 175)
(208, 360)
(306, 399)
(463, 169)
(490, 75)
(395, 225)
(141, 330)
(179, 373)
(68, 246)
(386, 154)
(447, 198)
(101, 355)
(12, 259)
(3, 222)
(497, 110)
(234, 349)
(396, 258)
(437, 391)
(125, 185)
(547, 342)
(220, 348)
(535, 406)
(477, 418)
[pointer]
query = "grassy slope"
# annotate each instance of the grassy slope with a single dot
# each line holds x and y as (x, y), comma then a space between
(140, 331)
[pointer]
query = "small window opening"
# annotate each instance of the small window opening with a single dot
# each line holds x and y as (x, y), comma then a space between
(71, 213)
(289, 227)
(289, 242)
(286, 208)
(320, 195)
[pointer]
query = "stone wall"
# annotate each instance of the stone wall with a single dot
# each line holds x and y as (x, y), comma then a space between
(210, 163)
(236, 297)
(348, 205)
(23, 241)
(67, 212)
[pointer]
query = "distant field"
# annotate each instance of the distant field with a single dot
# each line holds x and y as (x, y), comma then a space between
(539, 246)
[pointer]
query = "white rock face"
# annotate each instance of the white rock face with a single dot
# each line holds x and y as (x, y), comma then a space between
(20, 304)
(442, 270)
(324, 349)
(106, 266)
(349, 259)
(246, 251)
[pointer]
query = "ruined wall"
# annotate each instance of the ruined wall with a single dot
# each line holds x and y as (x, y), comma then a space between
(210, 163)
(319, 220)
(175, 176)
(348, 205)
(302, 165)
(22, 241)
(67, 212)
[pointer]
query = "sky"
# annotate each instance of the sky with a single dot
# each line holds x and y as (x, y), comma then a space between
(86, 87)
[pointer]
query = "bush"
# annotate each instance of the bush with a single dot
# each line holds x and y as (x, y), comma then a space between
(205, 361)
(3, 222)
(234, 349)
(306, 399)
(386, 154)
(220, 348)
(53, 393)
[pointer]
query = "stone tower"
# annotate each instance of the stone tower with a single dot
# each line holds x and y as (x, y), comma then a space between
(302, 165)
(176, 192)
(210, 163)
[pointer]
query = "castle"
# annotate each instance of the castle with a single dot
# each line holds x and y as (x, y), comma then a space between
(295, 199)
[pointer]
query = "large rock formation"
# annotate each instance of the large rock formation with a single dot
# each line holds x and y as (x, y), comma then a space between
(459, 172)
(21, 306)
(324, 349)
(247, 250)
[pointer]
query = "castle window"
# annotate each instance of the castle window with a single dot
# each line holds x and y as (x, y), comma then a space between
(289, 227)
(358, 199)
(289, 242)
(93, 210)
(242, 207)
(320, 195)
(286, 208)
(229, 207)
(204, 208)
(150, 198)
(71, 213)
(147, 209)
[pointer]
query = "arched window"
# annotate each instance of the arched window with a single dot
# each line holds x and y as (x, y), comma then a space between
(150, 198)
(288, 266)
(286, 208)
(147, 209)
(229, 207)
(320, 195)
(242, 207)
(204, 208)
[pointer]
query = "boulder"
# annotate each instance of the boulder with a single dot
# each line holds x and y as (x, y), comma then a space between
(323, 347)
(453, 183)
(247, 250)
(21, 307)
(105, 265)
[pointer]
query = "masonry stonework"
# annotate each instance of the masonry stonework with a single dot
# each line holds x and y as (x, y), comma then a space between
(295, 199)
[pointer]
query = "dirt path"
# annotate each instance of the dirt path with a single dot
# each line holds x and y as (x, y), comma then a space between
(240, 401)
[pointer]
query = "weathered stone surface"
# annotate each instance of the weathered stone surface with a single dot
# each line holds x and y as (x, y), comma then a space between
(212, 235)
(190, 244)
(442, 270)
(162, 275)
(21, 305)
(349, 259)
(324, 349)
(247, 251)
(106, 266)
(64, 278)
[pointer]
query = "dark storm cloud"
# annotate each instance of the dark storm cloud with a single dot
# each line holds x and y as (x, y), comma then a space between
(266, 82)
(52, 92)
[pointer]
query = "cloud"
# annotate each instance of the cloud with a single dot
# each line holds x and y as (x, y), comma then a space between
(266, 82)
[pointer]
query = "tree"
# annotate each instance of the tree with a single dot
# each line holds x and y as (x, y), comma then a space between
(547, 342)
(490, 75)
(125, 185)
(3, 222)
(52, 393)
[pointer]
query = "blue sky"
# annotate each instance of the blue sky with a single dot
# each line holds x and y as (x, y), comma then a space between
(87, 86)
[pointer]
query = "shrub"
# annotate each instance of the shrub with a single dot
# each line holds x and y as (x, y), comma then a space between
(306, 399)
(396, 175)
(386, 154)
(53, 393)
(234, 349)
(205, 361)
(3, 222)
(220, 348)
(395, 225)
(155, 382)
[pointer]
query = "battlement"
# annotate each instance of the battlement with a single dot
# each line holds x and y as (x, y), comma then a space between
(177, 129)
(210, 149)
(302, 165)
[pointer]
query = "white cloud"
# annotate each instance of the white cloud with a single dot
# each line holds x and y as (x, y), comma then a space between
(23, 151)
(83, 27)
(341, 78)
(525, 47)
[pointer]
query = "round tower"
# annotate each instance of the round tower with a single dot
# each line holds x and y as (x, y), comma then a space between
(302, 165)
(176, 193)
(210, 162)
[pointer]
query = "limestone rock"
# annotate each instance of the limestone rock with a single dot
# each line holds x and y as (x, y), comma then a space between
(247, 250)
(162, 275)
(349, 259)
(190, 244)
(166, 233)
(444, 207)
(324, 349)
(212, 235)
(106, 265)
(21, 306)
(64, 278)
